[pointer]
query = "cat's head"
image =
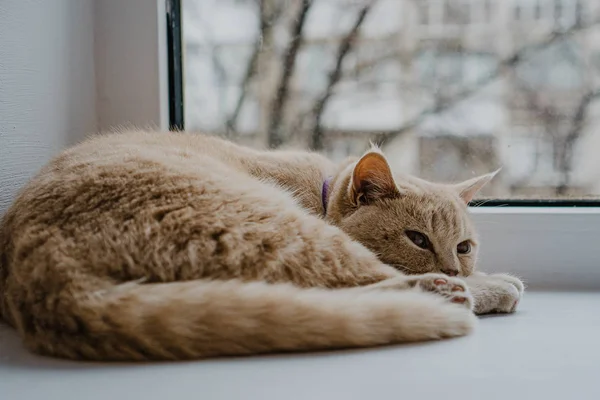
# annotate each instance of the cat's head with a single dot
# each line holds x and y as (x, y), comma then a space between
(411, 224)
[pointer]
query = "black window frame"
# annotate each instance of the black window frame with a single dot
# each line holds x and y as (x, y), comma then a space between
(175, 65)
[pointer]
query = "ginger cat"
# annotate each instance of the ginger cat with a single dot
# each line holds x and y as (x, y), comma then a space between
(154, 246)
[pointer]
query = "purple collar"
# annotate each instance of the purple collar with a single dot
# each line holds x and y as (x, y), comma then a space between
(325, 194)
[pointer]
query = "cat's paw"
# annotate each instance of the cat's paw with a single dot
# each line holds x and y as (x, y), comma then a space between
(509, 300)
(497, 293)
(513, 280)
(454, 289)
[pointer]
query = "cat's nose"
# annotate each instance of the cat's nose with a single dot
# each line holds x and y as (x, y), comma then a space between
(450, 271)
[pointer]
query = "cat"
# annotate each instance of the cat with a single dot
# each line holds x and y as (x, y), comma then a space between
(169, 246)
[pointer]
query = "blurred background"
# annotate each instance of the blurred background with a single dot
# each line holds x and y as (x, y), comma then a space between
(449, 88)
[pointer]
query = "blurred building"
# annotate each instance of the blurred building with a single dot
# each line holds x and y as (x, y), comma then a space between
(522, 78)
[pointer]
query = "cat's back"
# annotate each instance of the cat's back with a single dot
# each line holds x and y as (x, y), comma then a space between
(181, 150)
(159, 147)
(195, 153)
(118, 165)
(132, 166)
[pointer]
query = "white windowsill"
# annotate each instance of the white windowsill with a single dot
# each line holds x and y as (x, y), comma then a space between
(550, 248)
(520, 356)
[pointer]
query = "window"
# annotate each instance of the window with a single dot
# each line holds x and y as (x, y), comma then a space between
(423, 12)
(488, 10)
(568, 12)
(447, 101)
(238, 55)
(457, 12)
(558, 10)
(518, 11)
(537, 10)
(579, 12)
(440, 68)
(557, 68)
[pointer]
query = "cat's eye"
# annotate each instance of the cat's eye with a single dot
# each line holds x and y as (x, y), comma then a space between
(419, 239)
(464, 247)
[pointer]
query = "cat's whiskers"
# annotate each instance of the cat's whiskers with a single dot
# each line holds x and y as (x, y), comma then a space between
(404, 268)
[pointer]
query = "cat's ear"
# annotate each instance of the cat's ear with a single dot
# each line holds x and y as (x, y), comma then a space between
(469, 188)
(372, 179)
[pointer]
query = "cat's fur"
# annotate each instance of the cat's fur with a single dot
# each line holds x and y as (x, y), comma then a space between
(138, 246)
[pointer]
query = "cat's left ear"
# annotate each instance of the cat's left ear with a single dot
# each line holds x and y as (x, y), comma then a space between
(469, 188)
(372, 179)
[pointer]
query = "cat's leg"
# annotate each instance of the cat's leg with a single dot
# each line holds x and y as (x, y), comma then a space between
(454, 289)
(495, 293)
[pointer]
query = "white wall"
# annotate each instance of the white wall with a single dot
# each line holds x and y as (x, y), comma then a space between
(69, 68)
(47, 84)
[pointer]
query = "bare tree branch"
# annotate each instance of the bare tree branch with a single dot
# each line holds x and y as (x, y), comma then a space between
(289, 64)
(443, 104)
(335, 75)
(266, 23)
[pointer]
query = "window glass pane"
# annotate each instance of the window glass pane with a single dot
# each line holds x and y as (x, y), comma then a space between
(449, 88)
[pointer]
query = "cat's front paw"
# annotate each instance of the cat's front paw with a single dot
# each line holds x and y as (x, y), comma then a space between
(454, 289)
(513, 280)
(497, 293)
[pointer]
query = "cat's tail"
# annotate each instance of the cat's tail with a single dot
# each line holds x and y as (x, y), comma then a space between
(196, 319)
